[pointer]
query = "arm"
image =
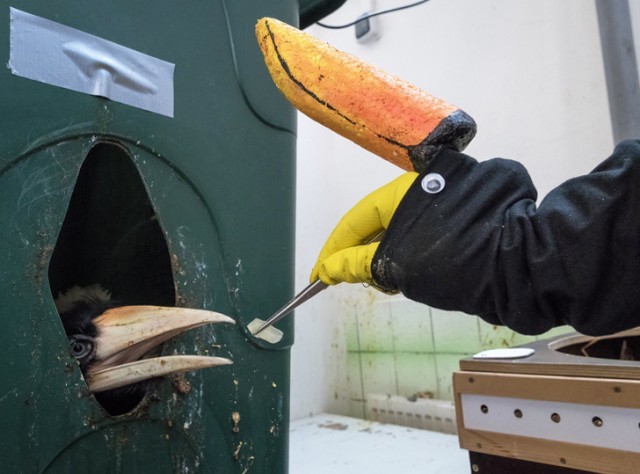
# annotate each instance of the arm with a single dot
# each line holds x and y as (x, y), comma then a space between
(483, 247)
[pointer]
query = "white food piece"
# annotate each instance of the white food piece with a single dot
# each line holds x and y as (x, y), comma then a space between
(271, 335)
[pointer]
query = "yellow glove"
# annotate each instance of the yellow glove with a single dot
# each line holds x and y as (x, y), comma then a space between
(344, 258)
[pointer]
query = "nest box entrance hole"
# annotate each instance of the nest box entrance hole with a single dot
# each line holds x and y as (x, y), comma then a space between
(111, 236)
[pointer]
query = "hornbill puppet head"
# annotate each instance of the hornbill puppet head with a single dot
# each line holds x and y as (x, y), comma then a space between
(110, 343)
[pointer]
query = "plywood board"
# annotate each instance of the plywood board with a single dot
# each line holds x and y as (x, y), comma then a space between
(548, 360)
(598, 392)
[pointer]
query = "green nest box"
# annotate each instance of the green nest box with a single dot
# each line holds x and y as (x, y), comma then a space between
(171, 187)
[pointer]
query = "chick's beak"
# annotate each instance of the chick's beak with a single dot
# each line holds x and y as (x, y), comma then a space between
(127, 333)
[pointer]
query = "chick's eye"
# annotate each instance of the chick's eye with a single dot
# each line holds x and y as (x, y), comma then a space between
(80, 346)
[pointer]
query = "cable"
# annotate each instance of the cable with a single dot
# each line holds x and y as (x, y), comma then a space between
(382, 12)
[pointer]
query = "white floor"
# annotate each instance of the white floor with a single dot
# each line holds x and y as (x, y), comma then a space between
(342, 445)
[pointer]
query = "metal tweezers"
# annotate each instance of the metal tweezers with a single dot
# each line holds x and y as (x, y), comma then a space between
(307, 293)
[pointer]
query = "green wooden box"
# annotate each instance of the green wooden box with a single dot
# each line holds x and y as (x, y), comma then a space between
(193, 210)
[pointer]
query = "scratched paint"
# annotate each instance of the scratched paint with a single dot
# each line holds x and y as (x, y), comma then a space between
(196, 170)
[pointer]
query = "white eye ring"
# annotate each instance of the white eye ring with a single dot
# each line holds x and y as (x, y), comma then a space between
(433, 183)
(81, 346)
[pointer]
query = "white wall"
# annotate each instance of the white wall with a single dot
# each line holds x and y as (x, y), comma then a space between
(531, 75)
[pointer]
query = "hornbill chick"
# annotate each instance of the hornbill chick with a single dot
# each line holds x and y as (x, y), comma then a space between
(110, 342)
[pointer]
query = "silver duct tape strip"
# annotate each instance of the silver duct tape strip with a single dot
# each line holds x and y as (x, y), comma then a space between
(55, 54)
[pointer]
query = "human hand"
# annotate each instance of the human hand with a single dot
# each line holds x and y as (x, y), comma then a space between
(346, 257)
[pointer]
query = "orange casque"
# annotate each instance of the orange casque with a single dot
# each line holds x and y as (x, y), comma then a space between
(380, 112)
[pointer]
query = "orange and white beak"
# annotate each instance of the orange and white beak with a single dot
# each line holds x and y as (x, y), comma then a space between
(380, 112)
(127, 333)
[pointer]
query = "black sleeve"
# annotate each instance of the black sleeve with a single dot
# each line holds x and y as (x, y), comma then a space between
(482, 246)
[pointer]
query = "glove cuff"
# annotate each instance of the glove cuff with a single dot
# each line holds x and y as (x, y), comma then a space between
(380, 277)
